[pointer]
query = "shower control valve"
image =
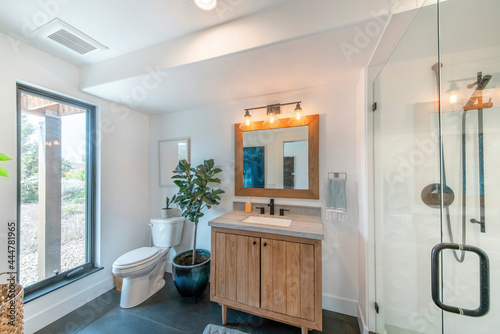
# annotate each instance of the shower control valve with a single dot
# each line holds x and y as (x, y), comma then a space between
(483, 225)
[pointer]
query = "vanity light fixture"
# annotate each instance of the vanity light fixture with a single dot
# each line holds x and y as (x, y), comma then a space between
(206, 4)
(298, 117)
(272, 119)
(247, 124)
(452, 90)
(453, 98)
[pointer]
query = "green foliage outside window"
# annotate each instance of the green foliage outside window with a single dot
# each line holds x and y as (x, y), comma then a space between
(3, 171)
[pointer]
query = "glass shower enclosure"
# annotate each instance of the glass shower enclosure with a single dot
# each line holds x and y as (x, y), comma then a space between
(436, 173)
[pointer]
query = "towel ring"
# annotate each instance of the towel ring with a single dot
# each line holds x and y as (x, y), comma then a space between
(336, 175)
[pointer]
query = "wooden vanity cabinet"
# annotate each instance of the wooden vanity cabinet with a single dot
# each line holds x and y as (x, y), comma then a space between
(274, 276)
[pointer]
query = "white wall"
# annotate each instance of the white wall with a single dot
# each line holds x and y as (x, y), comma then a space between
(124, 174)
(212, 136)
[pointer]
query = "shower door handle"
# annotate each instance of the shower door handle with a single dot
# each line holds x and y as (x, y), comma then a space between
(484, 280)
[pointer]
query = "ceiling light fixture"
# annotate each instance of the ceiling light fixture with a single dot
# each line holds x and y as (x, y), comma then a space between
(272, 119)
(206, 4)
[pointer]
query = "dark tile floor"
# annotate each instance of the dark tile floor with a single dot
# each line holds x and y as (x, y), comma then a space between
(167, 312)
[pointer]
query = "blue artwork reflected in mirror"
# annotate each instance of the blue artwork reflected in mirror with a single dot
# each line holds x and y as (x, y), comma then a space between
(254, 175)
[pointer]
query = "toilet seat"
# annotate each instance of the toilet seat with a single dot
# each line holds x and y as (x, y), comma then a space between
(137, 257)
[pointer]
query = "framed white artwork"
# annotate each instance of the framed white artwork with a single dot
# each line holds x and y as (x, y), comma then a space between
(170, 151)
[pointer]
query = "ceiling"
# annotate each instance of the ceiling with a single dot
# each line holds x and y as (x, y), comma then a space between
(167, 56)
(121, 25)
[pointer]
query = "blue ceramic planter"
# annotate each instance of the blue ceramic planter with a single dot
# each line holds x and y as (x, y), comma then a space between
(191, 281)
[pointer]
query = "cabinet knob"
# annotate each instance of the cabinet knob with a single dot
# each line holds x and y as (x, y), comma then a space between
(265, 244)
(255, 242)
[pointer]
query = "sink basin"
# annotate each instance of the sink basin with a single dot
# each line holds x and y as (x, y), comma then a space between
(283, 222)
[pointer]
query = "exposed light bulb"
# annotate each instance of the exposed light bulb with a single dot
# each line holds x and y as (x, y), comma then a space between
(452, 90)
(247, 123)
(298, 112)
(298, 115)
(206, 4)
(271, 118)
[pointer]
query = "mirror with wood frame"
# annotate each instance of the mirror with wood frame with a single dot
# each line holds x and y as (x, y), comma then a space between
(278, 162)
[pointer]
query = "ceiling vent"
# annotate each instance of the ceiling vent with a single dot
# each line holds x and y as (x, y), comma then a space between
(69, 37)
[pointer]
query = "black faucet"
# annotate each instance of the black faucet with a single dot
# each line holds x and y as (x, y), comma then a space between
(271, 207)
(282, 212)
(261, 209)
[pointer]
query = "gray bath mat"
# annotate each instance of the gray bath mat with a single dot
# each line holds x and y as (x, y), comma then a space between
(214, 329)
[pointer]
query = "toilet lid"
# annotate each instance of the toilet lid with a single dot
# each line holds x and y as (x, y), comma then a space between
(137, 256)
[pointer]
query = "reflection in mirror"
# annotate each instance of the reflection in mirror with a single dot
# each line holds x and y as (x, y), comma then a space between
(254, 174)
(276, 158)
(295, 163)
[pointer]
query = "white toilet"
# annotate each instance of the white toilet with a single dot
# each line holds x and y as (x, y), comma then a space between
(142, 269)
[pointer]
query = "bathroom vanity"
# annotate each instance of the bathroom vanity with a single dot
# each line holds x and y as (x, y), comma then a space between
(269, 267)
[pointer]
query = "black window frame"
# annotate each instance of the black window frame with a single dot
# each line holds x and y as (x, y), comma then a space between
(52, 283)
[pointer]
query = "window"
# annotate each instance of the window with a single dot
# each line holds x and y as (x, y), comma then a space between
(56, 190)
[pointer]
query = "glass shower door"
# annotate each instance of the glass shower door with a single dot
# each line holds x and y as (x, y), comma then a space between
(436, 173)
(470, 131)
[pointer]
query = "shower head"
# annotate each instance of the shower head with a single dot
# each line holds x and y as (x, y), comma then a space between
(477, 95)
(481, 81)
(484, 82)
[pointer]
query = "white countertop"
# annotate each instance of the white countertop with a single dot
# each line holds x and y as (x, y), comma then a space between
(302, 226)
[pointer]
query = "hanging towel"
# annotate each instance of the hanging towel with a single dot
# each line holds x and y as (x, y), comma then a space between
(336, 204)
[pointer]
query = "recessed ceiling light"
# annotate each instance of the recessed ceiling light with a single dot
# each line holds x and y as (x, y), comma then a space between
(206, 4)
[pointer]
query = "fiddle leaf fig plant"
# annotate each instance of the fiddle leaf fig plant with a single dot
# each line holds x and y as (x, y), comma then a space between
(195, 193)
(3, 171)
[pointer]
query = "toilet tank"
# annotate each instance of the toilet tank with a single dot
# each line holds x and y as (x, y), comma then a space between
(167, 232)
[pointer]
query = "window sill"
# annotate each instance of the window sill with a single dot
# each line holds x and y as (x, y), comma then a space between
(32, 295)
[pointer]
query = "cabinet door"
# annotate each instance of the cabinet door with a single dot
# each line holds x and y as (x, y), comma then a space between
(287, 278)
(237, 275)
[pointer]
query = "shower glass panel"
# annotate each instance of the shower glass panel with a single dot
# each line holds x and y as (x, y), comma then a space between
(436, 176)
(470, 47)
(406, 160)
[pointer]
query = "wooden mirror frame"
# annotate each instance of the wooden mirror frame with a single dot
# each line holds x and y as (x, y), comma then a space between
(312, 121)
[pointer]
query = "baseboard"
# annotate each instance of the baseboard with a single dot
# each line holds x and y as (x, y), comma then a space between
(361, 320)
(340, 305)
(51, 310)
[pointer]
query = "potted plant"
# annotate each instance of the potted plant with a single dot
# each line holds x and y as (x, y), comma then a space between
(167, 211)
(191, 269)
(3, 171)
